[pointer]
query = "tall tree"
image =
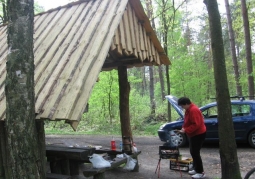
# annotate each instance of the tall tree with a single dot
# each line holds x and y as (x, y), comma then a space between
(228, 153)
(152, 96)
(150, 14)
(144, 83)
(22, 150)
(233, 50)
(151, 69)
(162, 82)
(168, 25)
(165, 25)
(248, 49)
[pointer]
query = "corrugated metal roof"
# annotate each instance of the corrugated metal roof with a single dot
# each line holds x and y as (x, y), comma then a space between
(73, 43)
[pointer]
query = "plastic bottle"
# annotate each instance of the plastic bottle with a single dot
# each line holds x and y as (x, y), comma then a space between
(134, 148)
(121, 146)
(113, 144)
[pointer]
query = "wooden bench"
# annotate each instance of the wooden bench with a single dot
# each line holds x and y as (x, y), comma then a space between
(100, 173)
(57, 176)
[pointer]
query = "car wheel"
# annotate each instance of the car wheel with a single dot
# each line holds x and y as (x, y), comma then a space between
(251, 139)
(180, 139)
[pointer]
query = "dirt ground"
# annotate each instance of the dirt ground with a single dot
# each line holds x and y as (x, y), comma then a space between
(149, 157)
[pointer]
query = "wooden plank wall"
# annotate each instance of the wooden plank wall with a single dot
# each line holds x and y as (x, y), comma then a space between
(3, 55)
(131, 39)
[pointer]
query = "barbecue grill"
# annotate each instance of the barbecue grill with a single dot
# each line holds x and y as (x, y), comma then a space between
(169, 150)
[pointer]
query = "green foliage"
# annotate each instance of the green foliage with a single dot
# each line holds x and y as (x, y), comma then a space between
(150, 129)
(38, 8)
(2, 13)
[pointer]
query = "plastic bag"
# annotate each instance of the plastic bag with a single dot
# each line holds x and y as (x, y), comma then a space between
(130, 165)
(98, 161)
(119, 156)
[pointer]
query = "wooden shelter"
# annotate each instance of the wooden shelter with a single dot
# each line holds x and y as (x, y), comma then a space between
(73, 43)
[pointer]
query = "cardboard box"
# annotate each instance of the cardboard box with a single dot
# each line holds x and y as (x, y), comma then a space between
(183, 165)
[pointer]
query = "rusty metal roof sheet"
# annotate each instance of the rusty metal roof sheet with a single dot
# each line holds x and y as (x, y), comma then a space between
(73, 43)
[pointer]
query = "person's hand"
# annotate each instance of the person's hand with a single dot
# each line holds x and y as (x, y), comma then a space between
(182, 130)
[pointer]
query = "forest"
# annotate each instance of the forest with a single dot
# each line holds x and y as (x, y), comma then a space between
(185, 36)
(183, 29)
(211, 59)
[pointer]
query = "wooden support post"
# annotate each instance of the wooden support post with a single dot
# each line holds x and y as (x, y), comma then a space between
(99, 176)
(74, 167)
(65, 167)
(55, 167)
(41, 145)
(124, 90)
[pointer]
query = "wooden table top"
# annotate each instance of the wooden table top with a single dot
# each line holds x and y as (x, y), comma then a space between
(73, 153)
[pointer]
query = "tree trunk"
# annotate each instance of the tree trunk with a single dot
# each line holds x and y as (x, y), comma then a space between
(110, 112)
(41, 144)
(233, 50)
(22, 150)
(3, 161)
(150, 12)
(168, 92)
(165, 46)
(152, 98)
(162, 83)
(228, 153)
(144, 84)
(248, 49)
(151, 69)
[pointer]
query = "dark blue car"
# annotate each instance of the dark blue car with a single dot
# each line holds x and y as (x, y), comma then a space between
(243, 115)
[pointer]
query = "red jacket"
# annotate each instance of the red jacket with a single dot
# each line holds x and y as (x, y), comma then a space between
(194, 121)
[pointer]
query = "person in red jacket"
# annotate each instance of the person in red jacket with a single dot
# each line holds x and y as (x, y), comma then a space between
(195, 129)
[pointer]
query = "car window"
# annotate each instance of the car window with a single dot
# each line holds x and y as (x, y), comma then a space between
(240, 109)
(237, 110)
(211, 112)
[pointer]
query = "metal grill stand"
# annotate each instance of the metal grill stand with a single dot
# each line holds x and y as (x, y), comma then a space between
(169, 150)
(166, 152)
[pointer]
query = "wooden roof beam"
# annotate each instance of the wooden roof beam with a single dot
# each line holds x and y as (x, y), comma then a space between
(129, 63)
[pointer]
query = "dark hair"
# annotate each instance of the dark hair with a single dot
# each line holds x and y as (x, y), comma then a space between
(183, 101)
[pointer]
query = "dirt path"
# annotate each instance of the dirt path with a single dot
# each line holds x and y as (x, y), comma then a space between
(149, 157)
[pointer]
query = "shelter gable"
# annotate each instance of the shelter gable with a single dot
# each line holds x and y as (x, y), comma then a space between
(73, 43)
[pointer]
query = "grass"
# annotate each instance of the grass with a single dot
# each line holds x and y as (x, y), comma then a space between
(62, 128)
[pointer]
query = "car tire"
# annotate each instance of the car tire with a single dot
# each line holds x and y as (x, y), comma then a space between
(182, 139)
(251, 139)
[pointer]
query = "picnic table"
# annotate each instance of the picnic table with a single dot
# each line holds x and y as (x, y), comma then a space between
(65, 161)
